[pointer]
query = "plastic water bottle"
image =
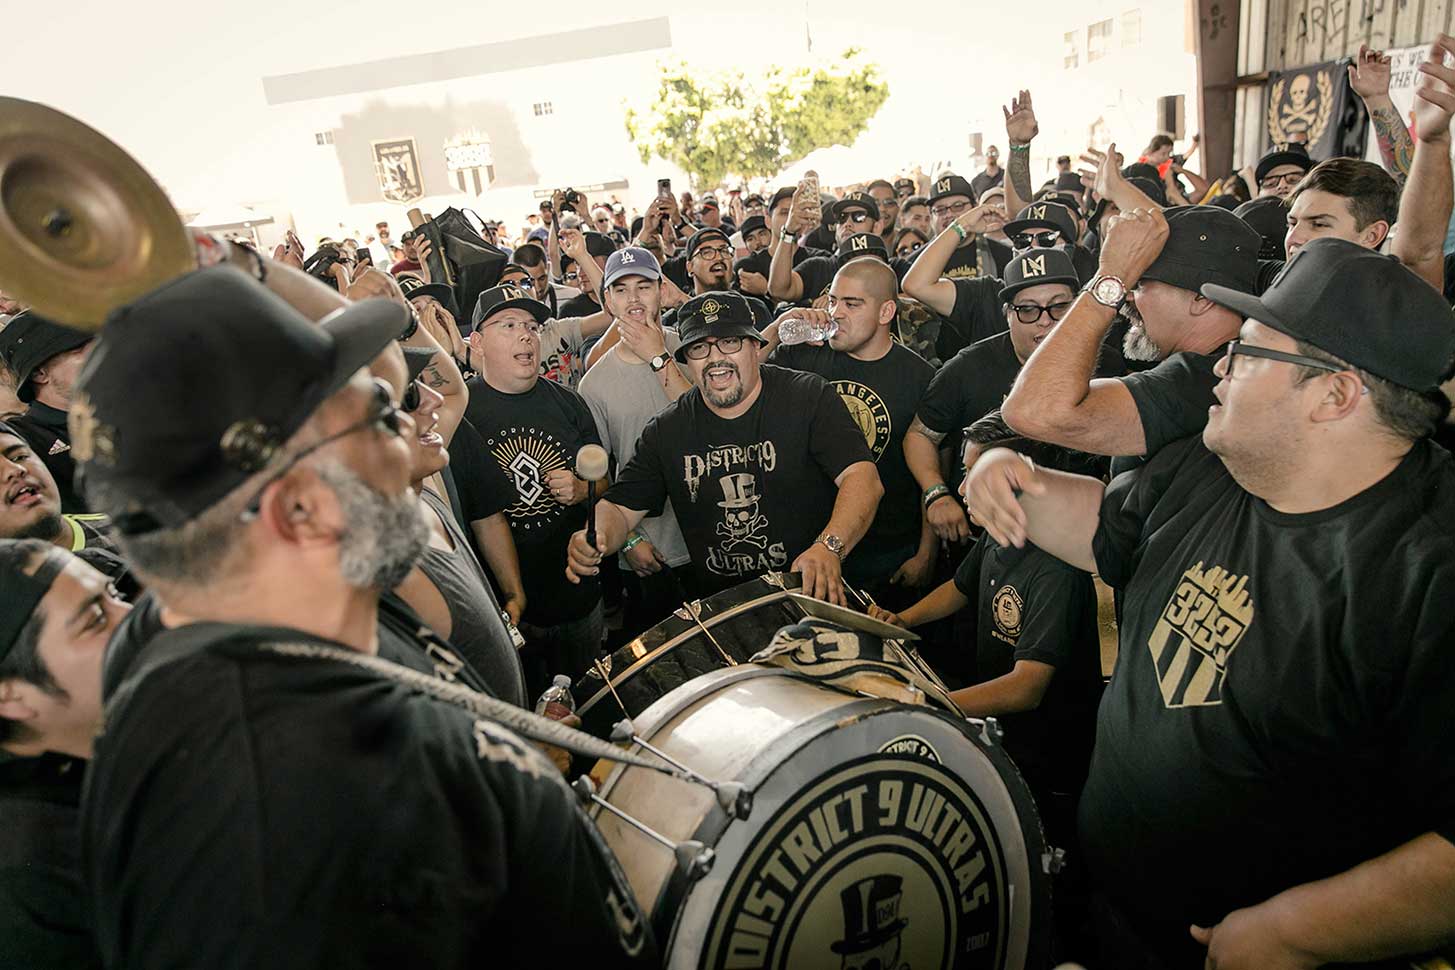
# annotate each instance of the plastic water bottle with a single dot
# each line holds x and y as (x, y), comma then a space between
(797, 330)
(556, 702)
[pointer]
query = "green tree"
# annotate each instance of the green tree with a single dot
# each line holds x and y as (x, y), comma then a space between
(713, 126)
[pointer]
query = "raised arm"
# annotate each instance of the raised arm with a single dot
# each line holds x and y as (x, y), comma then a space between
(783, 283)
(1020, 128)
(1055, 397)
(1108, 180)
(1424, 207)
(925, 280)
(1369, 78)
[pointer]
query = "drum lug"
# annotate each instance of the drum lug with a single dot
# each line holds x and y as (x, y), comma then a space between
(991, 732)
(623, 731)
(735, 798)
(694, 859)
(1053, 860)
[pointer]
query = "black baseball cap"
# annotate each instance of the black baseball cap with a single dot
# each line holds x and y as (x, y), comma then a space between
(787, 192)
(230, 372)
(721, 313)
(1269, 218)
(29, 340)
(498, 298)
(707, 202)
(752, 224)
(1069, 182)
(901, 184)
(1361, 306)
(862, 244)
(1142, 170)
(948, 185)
(702, 236)
(854, 200)
(1291, 154)
(1153, 189)
(21, 592)
(414, 286)
(1206, 244)
(599, 244)
(1036, 267)
(754, 199)
(1046, 214)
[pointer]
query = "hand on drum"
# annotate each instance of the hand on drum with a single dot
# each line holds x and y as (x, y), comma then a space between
(880, 613)
(823, 576)
(1251, 939)
(992, 491)
(581, 559)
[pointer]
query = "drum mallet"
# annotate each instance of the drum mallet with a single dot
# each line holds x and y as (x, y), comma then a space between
(591, 466)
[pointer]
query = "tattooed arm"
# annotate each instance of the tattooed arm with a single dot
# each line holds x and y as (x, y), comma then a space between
(1020, 128)
(1369, 77)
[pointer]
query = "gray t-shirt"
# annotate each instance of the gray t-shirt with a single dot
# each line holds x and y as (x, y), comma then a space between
(623, 397)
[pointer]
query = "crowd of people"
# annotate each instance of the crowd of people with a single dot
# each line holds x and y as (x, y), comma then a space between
(957, 399)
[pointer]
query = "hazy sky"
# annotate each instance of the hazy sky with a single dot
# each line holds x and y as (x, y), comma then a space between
(178, 83)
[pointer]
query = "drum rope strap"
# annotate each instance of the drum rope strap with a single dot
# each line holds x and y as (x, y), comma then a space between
(525, 723)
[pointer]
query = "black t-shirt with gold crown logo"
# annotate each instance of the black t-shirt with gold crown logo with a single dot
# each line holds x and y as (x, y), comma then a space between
(1280, 709)
(881, 396)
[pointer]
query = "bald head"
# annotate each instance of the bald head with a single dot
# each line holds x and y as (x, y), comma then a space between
(872, 277)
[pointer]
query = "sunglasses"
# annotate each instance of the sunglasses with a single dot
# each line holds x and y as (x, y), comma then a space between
(384, 416)
(1036, 240)
(409, 403)
(856, 216)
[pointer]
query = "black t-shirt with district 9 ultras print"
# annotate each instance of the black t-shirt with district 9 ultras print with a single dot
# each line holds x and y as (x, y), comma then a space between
(753, 492)
(1280, 710)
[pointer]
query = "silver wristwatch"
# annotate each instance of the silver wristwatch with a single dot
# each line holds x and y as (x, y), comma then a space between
(1108, 291)
(834, 544)
(659, 363)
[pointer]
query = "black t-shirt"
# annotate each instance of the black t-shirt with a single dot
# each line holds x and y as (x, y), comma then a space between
(1172, 401)
(1029, 605)
(44, 907)
(753, 492)
(530, 435)
(1268, 269)
(984, 182)
(247, 810)
(1280, 710)
(978, 310)
(881, 396)
(483, 488)
(971, 384)
(580, 305)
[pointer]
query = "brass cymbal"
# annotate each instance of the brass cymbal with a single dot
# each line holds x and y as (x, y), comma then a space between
(83, 227)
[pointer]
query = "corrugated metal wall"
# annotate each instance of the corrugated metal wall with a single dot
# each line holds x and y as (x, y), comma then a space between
(1281, 34)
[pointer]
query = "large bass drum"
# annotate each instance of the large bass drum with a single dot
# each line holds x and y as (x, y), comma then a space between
(881, 834)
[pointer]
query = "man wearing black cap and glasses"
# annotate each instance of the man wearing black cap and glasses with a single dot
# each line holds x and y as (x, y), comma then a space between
(1280, 169)
(974, 254)
(45, 358)
(793, 282)
(1038, 292)
(1271, 783)
(257, 791)
(743, 457)
(56, 616)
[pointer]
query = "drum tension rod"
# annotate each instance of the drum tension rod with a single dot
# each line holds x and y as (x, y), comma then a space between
(694, 613)
(732, 796)
(606, 677)
(694, 858)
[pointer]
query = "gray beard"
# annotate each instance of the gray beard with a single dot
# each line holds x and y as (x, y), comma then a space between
(728, 398)
(385, 535)
(1136, 345)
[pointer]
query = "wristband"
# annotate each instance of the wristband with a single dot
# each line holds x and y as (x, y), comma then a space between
(934, 493)
(960, 231)
(636, 539)
(788, 237)
(1024, 147)
(413, 325)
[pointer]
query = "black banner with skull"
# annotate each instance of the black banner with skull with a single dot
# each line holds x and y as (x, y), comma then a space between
(1315, 105)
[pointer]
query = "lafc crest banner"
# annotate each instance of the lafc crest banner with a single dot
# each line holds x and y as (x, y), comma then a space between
(1315, 105)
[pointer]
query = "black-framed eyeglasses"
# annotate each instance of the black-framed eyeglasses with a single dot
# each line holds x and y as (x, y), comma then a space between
(383, 415)
(1037, 240)
(727, 346)
(1287, 178)
(950, 208)
(1031, 312)
(1236, 348)
(712, 252)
